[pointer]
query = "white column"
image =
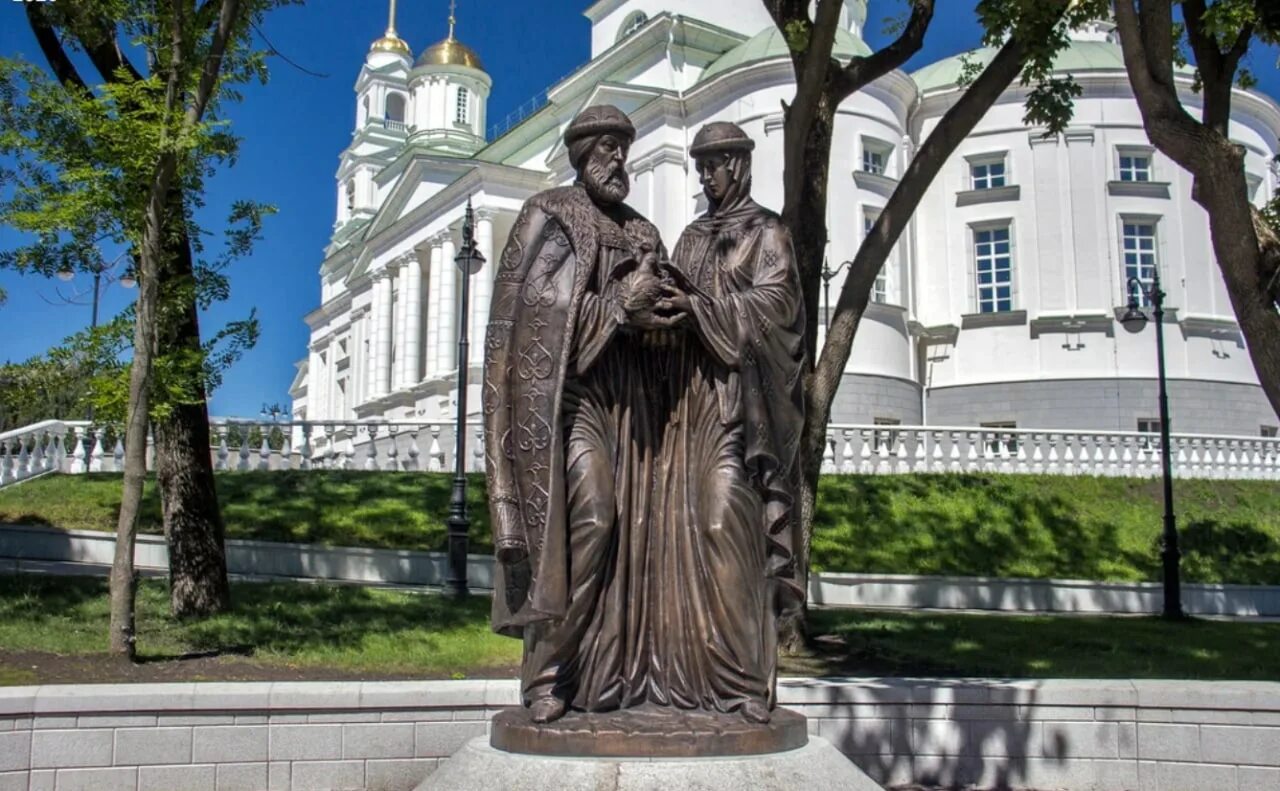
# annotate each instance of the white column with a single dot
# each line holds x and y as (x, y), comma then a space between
(370, 355)
(412, 344)
(315, 386)
(448, 307)
(400, 314)
(433, 304)
(382, 333)
(332, 403)
(482, 283)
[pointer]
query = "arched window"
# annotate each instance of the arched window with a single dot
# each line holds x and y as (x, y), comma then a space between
(460, 113)
(395, 107)
(365, 115)
(633, 23)
(351, 195)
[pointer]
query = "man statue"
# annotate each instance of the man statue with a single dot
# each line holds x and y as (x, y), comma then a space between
(722, 539)
(568, 436)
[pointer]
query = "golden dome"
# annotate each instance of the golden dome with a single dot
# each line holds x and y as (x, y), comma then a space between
(391, 43)
(449, 52)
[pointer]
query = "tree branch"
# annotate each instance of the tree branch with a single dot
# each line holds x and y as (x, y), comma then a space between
(866, 69)
(51, 46)
(228, 15)
(954, 126)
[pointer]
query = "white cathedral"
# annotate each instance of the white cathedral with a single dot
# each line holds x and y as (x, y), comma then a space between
(999, 308)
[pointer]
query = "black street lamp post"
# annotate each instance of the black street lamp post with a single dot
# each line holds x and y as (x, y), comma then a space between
(828, 274)
(1170, 555)
(469, 260)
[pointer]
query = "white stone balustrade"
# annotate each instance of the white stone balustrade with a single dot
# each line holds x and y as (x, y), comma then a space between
(76, 447)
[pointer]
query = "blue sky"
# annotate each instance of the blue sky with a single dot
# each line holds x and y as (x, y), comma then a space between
(294, 128)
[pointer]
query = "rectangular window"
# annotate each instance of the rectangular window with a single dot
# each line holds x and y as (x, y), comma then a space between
(875, 156)
(987, 174)
(873, 162)
(1138, 249)
(998, 439)
(883, 438)
(880, 290)
(461, 111)
(1135, 165)
(1269, 431)
(993, 260)
(1150, 426)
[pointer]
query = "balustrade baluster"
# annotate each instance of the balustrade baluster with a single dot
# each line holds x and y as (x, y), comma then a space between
(477, 450)
(920, 437)
(1037, 453)
(58, 460)
(371, 451)
(955, 438)
(1220, 461)
(1126, 460)
(413, 452)
(6, 461)
(847, 463)
(1052, 440)
(222, 452)
(264, 450)
(98, 438)
(1021, 455)
(393, 448)
(117, 456)
(80, 453)
(865, 464)
(937, 462)
(829, 454)
(243, 464)
(22, 467)
(304, 463)
(435, 456)
(37, 462)
(286, 450)
(1233, 459)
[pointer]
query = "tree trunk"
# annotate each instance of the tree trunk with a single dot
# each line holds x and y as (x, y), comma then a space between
(193, 525)
(1247, 250)
(192, 521)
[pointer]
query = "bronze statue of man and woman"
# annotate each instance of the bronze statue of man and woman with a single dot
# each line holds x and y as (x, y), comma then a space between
(642, 425)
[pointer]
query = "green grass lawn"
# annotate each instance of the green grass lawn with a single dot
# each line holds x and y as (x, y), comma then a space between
(327, 631)
(986, 525)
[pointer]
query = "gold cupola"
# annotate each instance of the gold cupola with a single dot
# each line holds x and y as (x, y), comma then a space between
(390, 42)
(449, 51)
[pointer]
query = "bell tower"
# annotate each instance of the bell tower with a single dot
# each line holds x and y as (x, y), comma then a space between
(382, 115)
(450, 91)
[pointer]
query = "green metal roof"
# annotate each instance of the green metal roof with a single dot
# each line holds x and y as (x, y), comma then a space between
(1081, 56)
(769, 44)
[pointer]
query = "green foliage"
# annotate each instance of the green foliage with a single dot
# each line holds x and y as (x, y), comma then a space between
(82, 159)
(798, 33)
(981, 525)
(1228, 23)
(65, 381)
(1035, 23)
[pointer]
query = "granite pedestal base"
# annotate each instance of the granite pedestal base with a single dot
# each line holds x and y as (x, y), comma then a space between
(481, 767)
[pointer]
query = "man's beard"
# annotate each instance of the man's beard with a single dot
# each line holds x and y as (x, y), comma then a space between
(606, 182)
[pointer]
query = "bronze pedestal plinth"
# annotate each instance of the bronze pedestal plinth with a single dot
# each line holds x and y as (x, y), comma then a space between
(648, 732)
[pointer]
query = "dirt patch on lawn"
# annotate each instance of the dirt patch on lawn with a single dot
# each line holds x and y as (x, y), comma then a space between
(39, 667)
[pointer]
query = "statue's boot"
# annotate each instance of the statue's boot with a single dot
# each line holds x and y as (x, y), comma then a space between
(547, 709)
(755, 711)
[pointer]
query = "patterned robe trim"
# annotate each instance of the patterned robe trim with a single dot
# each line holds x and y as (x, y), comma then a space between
(528, 350)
